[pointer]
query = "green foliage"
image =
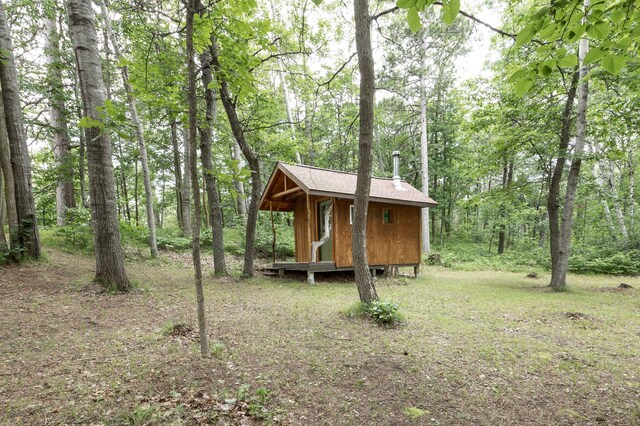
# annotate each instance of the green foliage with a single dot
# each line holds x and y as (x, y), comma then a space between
(77, 234)
(384, 313)
(381, 312)
(596, 260)
(285, 239)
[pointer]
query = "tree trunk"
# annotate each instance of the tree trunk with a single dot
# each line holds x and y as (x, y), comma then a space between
(632, 192)
(238, 185)
(424, 149)
(206, 137)
(110, 272)
(28, 236)
(285, 90)
(9, 184)
(502, 215)
(252, 159)
(58, 110)
(195, 241)
(607, 174)
(81, 148)
(187, 226)
(364, 280)
(559, 272)
(553, 200)
(177, 173)
(142, 146)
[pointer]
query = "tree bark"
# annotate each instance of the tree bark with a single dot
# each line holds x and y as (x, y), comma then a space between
(206, 137)
(553, 200)
(28, 236)
(142, 146)
(9, 184)
(238, 185)
(364, 280)
(559, 273)
(177, 173)
(62, 141)
(424, 149)
(607, 175)
(110, 271)
(252, 159)
(195, 241)
(187, 226)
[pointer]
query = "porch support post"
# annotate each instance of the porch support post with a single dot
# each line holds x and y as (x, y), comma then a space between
(273, 231)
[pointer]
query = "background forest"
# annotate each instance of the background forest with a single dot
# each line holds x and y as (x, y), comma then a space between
(281, 78)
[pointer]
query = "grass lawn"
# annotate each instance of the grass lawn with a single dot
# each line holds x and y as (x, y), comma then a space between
(477, 348)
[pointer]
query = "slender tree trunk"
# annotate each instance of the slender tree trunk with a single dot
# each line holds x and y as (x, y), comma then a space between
(502, 215)
(206, 137)
(238, 185)
(28, 235)
(252, 159)
(110, 271)
(607, 175)
(136, 207)
(285, 90)
(599, 179)
(424, 149)
(187, 230)
(632, 192)
(364, 280)
(195, 241)
(123, 183)
(553, 200)
(142, 146)
(58, 110)
(177, 173)
(559, 273)
(9, 184)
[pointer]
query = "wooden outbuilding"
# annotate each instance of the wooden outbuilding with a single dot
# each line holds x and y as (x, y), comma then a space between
(322, 204)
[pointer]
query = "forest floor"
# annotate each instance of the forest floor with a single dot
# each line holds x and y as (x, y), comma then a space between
(477, 348)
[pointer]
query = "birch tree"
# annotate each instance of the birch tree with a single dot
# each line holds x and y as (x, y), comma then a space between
(142, 146)
(59, 117)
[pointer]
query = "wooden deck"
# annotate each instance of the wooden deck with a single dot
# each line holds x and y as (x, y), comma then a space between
(311, 267)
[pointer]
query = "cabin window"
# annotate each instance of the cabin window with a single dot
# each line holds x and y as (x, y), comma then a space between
(387, 216)
(351, 214)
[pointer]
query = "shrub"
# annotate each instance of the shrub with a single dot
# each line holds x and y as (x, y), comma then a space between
(384, 313)
(381, 312)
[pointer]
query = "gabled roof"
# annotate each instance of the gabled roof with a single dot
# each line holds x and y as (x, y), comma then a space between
(332, 183)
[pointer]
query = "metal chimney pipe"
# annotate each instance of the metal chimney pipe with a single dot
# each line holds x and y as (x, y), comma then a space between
(397, 184)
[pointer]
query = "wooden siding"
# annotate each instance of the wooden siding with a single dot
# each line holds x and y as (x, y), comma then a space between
(300, 227)
(387, 244)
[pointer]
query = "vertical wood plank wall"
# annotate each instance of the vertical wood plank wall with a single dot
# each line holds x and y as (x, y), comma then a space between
(395, 243)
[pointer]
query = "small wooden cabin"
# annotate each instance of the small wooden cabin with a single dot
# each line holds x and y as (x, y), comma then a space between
(322, 204)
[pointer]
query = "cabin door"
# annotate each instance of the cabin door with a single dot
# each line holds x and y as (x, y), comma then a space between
(325, 252)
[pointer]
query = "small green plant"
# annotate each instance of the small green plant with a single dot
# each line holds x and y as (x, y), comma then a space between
(384, 313)
(217, 349)
(381, 312)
